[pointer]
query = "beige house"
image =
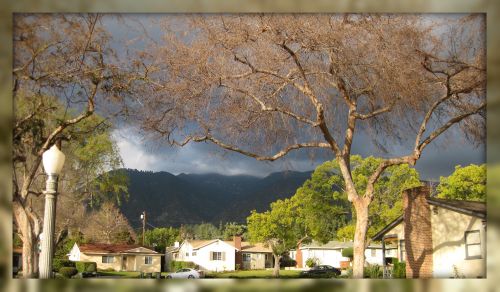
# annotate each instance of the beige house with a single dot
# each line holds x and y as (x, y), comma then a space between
(437, 238)
(119, 257)
(255, 256)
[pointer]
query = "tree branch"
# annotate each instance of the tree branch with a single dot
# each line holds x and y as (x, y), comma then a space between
(274, 157)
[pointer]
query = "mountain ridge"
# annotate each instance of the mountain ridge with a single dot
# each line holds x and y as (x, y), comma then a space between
(173, 200)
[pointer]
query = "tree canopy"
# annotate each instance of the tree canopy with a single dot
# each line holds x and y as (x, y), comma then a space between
(267, 85)
(465, 183)
(276, 228)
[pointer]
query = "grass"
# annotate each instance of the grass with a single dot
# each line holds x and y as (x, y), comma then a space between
(119, 274)
(249, 274)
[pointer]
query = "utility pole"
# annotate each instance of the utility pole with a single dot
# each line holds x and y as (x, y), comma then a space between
(143, 217)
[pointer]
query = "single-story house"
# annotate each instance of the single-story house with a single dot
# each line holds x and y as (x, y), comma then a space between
(219, 255)
(330, 253)
(256, 256)
(119, 257)
(436, 237)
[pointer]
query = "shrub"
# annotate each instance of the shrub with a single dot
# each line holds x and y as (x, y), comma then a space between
(177, 265)
(286, 261)
(59, 263)
(399, 269)
(311, 262)
(373, 272)
(68, 272)
(90, 267)
(348, 252)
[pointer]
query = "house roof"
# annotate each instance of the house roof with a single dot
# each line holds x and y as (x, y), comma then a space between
(245, 246)
(172, 249)
(471, 208)
(476, 209)
(333, 245)
(113, 248)
(255, 247)
(197, 244)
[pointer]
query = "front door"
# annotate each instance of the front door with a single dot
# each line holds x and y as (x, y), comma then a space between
(124, 263)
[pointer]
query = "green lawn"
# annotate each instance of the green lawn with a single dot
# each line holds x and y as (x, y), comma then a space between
(253, 274)
(119, 274)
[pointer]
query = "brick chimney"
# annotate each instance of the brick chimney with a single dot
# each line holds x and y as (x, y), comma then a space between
(237, 245)
(298, 256)
(417, 232)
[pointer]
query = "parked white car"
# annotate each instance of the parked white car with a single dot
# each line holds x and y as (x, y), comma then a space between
(184, 274)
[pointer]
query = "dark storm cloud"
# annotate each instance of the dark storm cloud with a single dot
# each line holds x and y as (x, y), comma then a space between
(437, 160)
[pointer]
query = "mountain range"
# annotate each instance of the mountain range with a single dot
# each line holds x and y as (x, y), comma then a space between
(173, 200)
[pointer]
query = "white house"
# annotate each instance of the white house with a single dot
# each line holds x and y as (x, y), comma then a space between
(217, 255)
(210, 255)
(437, 238)
(330, 253)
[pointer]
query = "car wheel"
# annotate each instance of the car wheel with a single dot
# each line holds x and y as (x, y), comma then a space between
(169, 277)
(190, 277)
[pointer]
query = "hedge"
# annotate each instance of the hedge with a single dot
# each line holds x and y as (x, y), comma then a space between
(373, 272)
(399, 269)
(177, 265)
(348, 252)
(59, 263)
(287, 262)
(68, 272)
(86, 267)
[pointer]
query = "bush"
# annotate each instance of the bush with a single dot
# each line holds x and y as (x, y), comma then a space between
(373, 272)
(89, 267)
(348, 252)
(311, 262)
(177, 265)
(399, 269)
(286, 261)
(68, 272)
(57, 264)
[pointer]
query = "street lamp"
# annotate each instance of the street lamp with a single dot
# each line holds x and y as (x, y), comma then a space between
(53, 161)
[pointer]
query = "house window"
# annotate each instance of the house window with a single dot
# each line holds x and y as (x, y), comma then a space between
(402, 250)
(187, 254)
(216, 256)
(246, 257)
(108, 259)
(193, 254)
(472, 244)
(373, 252)
(148, 260)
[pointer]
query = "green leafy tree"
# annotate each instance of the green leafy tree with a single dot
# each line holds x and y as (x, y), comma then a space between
(160, 238)
(232, 229)
(278, 228)
(324, 206)
(265, 86)
(466, 183)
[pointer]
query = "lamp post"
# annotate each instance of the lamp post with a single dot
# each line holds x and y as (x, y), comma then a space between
(53, 161)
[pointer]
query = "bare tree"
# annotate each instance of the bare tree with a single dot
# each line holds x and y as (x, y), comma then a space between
(64, 67)
(108, 225)
(267, 85)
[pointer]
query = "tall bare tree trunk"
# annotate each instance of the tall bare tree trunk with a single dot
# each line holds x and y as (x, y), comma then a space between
(361, 207)
(29, 230)
(276, 270)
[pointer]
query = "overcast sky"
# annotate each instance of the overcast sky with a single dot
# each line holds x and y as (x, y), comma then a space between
(438, 159)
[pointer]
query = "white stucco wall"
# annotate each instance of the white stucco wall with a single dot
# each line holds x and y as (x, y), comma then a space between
(449, 258)
(203, 259)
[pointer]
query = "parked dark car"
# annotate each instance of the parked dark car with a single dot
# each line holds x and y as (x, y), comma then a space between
(321, 271)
